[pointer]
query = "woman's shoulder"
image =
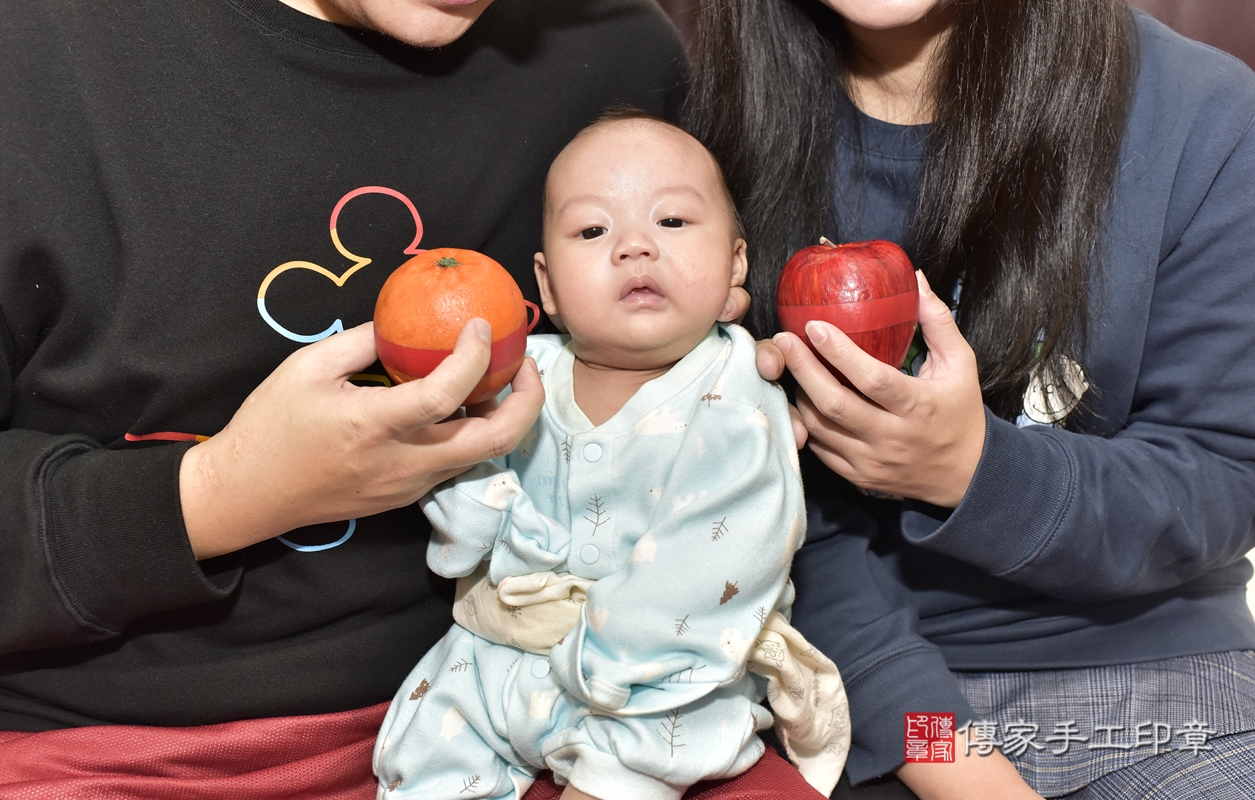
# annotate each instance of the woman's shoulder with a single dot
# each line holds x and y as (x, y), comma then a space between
(1191, 119)
(1180, 78)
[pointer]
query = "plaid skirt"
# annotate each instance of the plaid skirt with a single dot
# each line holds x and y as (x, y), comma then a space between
(1177, 728)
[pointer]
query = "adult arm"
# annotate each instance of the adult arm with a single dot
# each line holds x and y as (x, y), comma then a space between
(1171, 496)
(307, 446)
(92, 539)
(1165, 499)
(853, 610)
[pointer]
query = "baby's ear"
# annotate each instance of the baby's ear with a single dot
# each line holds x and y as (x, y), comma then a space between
(738, 301)
(740, 264)
(547, 299)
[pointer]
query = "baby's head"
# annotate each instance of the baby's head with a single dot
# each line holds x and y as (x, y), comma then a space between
(642, 243)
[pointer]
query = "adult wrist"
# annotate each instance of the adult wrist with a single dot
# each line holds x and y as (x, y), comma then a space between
(218, 521)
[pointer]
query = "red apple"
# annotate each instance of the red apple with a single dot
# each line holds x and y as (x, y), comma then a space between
(867, 289)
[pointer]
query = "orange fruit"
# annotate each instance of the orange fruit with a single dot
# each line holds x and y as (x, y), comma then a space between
(424, 304)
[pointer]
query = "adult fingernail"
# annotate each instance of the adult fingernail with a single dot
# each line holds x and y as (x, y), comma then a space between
(817, 333)
(482, 329)
(782, 342)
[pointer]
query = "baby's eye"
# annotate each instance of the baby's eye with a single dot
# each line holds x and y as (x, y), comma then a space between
(593, 232)
(672, 222)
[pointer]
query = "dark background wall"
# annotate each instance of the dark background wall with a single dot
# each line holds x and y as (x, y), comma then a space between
(1227, 24)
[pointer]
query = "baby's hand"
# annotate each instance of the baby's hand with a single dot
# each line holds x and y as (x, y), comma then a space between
(571, 793)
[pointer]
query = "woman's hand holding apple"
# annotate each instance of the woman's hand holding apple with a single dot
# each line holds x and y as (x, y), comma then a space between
(919, 437)
(307, 446)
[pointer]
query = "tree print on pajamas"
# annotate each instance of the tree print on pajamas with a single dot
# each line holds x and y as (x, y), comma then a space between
(596, 507)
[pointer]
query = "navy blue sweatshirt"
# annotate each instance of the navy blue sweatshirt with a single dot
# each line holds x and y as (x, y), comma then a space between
(1118, 545)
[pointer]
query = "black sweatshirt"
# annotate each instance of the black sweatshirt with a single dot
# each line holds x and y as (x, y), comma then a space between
(158, 162)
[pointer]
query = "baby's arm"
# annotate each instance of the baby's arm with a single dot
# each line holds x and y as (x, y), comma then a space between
(485, 513)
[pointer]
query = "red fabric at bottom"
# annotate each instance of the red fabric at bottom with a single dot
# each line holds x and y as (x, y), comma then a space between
(326, 756)
(772, 778)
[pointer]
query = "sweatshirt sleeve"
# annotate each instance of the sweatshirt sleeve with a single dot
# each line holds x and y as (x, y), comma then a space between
(1170, 496)
(857, 614)
(90, 539)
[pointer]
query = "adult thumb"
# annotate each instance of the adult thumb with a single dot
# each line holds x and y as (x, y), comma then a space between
(941, 333)
(421, 402)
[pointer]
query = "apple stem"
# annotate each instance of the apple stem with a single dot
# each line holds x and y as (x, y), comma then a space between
(827, 241)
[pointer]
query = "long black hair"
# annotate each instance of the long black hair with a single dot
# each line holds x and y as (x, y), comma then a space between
(1030, 98)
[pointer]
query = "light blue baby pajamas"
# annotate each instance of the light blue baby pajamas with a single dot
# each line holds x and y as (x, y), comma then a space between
(685, 509)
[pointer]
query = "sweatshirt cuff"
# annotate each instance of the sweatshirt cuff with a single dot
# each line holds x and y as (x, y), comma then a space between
(911, 682)
(117, 546)
(1013, 507)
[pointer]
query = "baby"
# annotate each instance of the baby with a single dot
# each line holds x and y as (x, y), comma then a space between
(624, 571)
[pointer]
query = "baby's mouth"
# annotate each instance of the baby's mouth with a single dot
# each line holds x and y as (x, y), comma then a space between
(643, 290)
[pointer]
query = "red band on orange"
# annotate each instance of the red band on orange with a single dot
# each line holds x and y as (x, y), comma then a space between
(419, 363)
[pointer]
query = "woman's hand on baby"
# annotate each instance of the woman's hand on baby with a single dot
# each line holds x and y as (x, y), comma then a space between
(919, 437)
(308, 446)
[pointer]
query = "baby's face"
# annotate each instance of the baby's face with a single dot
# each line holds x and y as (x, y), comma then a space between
(641, 248)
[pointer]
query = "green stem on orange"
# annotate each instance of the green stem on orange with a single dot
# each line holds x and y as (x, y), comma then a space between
(448, 261)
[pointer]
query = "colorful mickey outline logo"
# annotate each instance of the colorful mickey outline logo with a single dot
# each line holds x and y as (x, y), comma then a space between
(336, 327)
(338, 280)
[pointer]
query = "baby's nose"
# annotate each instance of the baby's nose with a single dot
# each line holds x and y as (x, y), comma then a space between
(635, 248)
